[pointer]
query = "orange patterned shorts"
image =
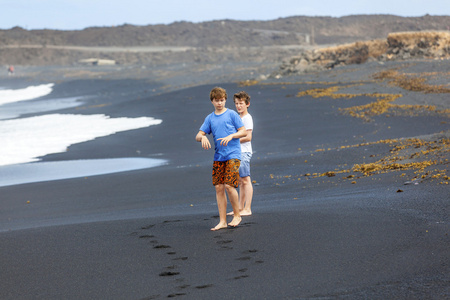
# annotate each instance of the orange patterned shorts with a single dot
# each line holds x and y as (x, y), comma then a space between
(226, 172)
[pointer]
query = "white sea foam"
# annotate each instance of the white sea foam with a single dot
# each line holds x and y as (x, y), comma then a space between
(25, 140)
(28, 93)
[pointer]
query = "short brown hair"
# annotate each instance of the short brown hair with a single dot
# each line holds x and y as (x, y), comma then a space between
(242, 96)
(218, 93)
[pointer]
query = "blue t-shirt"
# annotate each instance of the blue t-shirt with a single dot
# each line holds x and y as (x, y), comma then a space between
(221, 126)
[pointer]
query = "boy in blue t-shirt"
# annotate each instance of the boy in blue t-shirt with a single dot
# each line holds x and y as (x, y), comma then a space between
(227, 128)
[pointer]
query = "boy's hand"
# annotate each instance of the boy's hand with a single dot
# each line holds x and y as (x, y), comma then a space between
(205, 143)
(224, 141)
(201, 137)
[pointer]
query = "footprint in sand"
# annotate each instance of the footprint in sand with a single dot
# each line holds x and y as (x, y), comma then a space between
(252, 251)
(240, 277)
(175, 295)
(169, 273)
(146, 236)
(161, 247)
(181, 258)
(170, 270)
(243, 270)
(246, 258)
(204, 286)
(246, 224)
(147, 227)
(224, 242)
(171, 221)
(184, 286)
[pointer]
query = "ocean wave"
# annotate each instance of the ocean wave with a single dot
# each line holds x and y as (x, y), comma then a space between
(28, 93)
(25, 140)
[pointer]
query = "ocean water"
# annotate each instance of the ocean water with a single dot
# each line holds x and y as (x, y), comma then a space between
(56, 170)
(17, 109)
(24, 139)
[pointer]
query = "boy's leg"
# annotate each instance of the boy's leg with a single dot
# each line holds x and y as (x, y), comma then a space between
(246, 195)
(245, 185)
(231, 181)
(218, 176)
(222, 206)
(234, 200)
(240, 199)
(241, 194)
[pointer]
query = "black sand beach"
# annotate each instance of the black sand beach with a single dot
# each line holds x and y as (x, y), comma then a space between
(320, 228)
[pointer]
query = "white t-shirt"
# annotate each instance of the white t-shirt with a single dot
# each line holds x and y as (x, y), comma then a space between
(248, 124)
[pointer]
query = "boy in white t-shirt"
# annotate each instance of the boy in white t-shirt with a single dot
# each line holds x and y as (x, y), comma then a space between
(242, 102)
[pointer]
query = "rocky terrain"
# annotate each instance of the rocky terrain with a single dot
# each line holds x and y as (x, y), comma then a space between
(397, 46)
(206, 42)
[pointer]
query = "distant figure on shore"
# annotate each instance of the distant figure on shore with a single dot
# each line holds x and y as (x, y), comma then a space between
(242, 102)
(11, 70)
(227, 128)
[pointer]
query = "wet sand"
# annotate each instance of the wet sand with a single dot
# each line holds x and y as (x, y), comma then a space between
(144, 234)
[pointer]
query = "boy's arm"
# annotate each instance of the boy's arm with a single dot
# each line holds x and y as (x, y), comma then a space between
(240, 133)
(247, 138)
(201, 137)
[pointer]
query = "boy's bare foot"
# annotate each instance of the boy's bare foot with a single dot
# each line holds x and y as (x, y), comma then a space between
(241, 212)
(235, 222)
(219, 226)
(231, 213)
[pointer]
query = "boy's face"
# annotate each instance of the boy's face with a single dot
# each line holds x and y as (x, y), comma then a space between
(241, 106)
(219, 104)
